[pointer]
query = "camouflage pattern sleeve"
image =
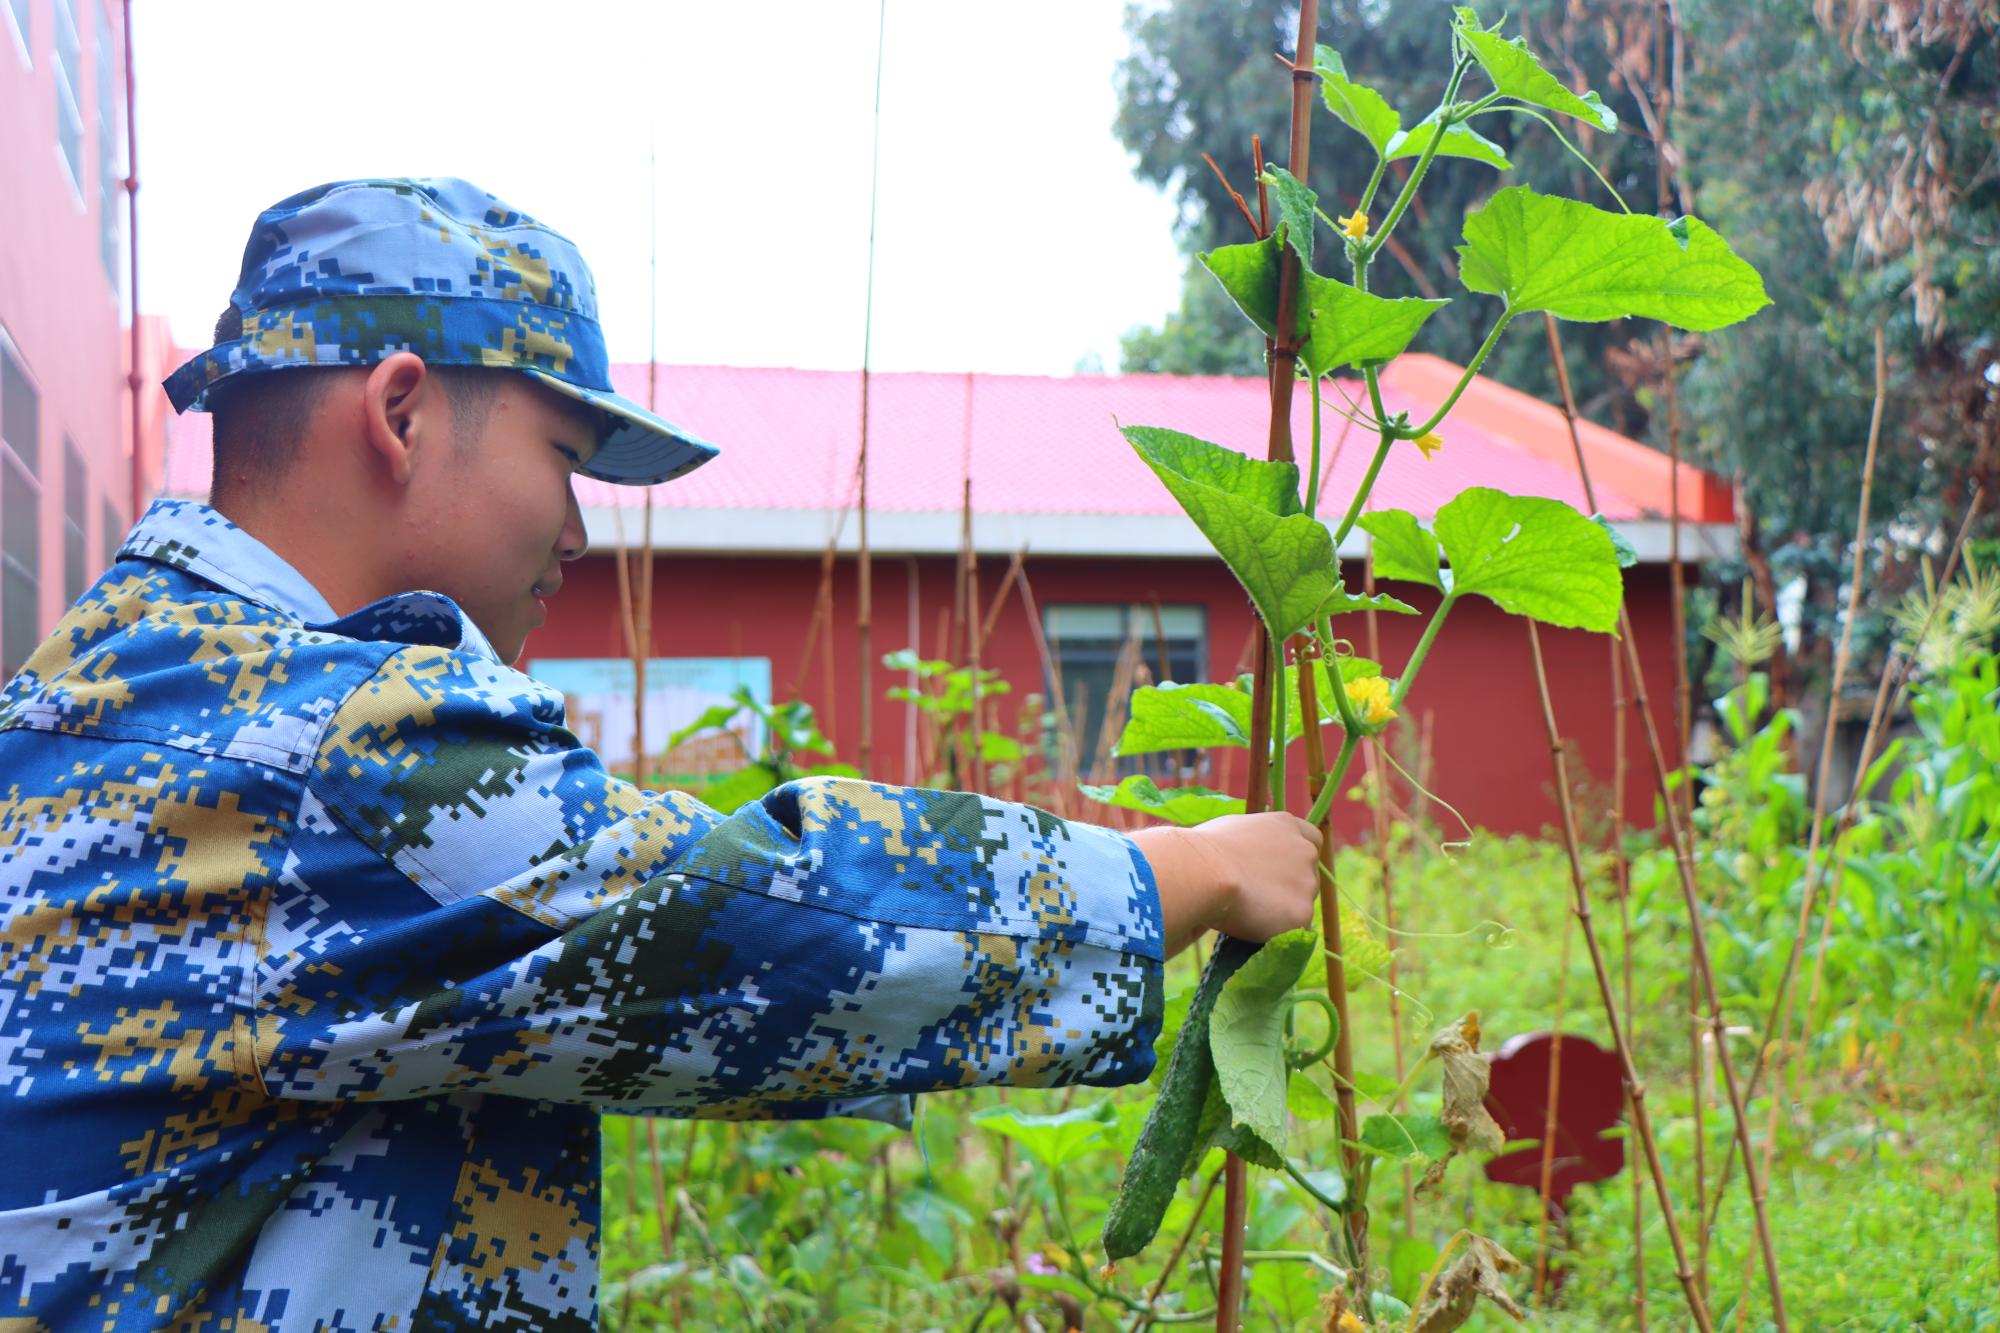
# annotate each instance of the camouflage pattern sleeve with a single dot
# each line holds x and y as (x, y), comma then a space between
(591, 942)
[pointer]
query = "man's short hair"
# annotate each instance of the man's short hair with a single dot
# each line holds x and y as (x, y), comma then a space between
(258, 419)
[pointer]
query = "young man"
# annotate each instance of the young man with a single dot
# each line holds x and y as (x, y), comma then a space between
(323, 944)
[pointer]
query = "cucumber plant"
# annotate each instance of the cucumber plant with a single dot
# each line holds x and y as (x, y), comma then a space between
(1530, 556)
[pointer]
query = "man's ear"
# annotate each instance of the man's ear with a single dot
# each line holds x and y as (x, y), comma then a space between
(402, 409)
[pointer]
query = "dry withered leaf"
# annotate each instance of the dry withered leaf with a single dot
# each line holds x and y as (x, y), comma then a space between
(1457, 1291)
(1466, 1076)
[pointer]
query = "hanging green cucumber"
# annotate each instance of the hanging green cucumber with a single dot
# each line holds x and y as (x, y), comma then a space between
(1154, 1169)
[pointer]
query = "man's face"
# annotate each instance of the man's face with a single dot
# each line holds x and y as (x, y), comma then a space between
(501, 513)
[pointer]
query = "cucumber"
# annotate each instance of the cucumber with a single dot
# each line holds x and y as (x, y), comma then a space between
(1154, 1169)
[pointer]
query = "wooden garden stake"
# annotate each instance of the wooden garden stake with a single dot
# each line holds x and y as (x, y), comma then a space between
(1888, 700)
(1549, 1121)
(1635, 1091)
(1229, 1296)
(1622, 872)
(1378, 777)
(864, 570)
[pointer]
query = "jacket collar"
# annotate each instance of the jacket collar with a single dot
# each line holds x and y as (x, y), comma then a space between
(194, 537)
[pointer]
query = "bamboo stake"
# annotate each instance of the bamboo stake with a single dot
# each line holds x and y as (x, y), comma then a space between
(1894, 676)
(1683, 862)
(1662, 107)
(1622, 874)
(999, 601)
(1783, 1003)
(864, 620)
(1330, 930)
(822, 608)
(1229, 1298)
(1635, 1091)
(1378, 776)
(1549, 1121)
(1066, 747)
(1877, 719)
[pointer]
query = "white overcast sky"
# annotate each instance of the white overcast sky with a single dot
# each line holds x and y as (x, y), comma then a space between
(1012, 236)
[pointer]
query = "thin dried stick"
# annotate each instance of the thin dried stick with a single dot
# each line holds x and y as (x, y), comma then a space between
(1622, 874)
(1241, 205)
(1379, 784)
(1635, 1091)
(1284, 356)
(1876, 720)
(1549, 1121)
(1888, 698)
(1684, 865)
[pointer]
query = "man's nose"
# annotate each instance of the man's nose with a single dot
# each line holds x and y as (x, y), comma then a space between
(573, 541)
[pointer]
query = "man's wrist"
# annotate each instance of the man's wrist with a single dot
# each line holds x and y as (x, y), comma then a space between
(1195, 896)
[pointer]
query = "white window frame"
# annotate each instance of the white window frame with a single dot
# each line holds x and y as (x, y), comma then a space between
(109, 180)
(11, 460)
(61, 11)
(22, 45)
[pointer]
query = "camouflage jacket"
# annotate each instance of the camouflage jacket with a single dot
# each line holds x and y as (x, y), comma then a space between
(323, 944)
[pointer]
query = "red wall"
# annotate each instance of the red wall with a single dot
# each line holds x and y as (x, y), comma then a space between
(1476, 699)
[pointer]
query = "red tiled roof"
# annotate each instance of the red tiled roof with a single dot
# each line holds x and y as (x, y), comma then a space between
(1036, 444)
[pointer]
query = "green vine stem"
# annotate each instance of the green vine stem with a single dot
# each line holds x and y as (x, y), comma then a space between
(1353, 514)
(1423, 166)
(1312, 477)
(1464, 381)
(1280, 722)
(1422, 650)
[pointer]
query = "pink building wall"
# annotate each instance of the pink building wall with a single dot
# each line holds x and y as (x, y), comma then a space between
(63, 251)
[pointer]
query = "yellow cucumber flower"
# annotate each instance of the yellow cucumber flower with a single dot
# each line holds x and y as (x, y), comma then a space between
(1355, 224)
(1370, 697)
(1429, 443)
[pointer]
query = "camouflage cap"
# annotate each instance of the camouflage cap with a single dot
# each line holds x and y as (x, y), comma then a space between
(349, 273)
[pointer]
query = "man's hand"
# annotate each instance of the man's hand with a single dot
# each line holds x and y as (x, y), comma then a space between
(1251, 876)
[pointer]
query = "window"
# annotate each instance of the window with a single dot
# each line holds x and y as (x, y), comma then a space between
(69, 112)
(20, 515)
(112, 534)
(1107, 649)
(76, 484)
(109, 181)
(17, 19)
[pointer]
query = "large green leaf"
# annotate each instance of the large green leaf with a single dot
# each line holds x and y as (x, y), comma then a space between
(1356, 104)
(1518, 74)
(1458, 141)
(1578, 262)
(1246, 1034)
(1337, 325)
(1217, 1129)
(1403, 549)
(1049, 1139)
(1248, 510)
(1185, 717)
(1186, 806)
(1532, 556)
(1370, 114)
